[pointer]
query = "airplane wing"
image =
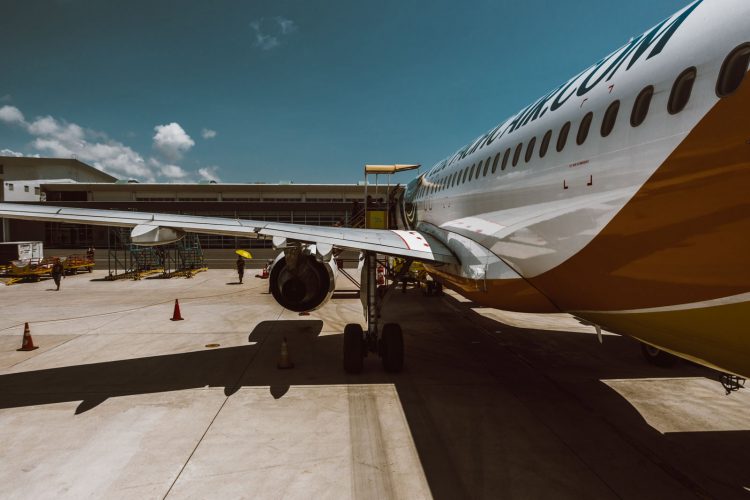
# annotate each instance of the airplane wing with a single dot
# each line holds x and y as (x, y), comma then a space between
(414, 244)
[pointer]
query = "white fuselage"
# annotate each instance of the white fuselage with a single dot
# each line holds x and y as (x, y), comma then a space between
(536, 214)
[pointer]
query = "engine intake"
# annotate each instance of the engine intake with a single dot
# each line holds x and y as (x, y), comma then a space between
(306, 286)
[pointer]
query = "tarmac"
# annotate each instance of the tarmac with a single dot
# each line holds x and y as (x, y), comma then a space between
(121, 402)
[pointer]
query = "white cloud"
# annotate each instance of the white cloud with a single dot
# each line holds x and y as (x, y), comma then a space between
(10, 152)
(207, 133)
(286, 25)
(263, 40)
(268, 33)
(47, 126)
(11, 114)
(172, 141)
(56, 137)
(209, 173)
(173, 172)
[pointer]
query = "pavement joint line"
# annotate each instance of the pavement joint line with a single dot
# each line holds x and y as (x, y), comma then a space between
(184, 299)
(226, 399)
(38, 354)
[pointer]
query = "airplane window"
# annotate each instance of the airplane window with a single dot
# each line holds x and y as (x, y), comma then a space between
(486, 166)
(545, 144)
(530, 149)
(479, 169)
(517, 153)
(610, 117)
(563, 137)
(640, 108)
(505, 159)
(466, 171)
(733, 70)
(494, 163)
(583, 129)
(681, 91)
(471, 172)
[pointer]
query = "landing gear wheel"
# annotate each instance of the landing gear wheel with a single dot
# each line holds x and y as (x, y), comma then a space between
(657, 357)
(392, 348)
(353, 348)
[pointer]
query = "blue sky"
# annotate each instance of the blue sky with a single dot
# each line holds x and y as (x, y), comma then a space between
(285, 90)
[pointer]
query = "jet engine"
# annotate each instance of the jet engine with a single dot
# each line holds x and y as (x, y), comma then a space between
(301, 282)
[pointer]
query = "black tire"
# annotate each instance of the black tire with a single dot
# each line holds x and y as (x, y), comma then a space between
(353, 348)
(392, 347)
(657, 357)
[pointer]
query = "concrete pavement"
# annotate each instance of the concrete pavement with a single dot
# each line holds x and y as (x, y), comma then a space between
(120, 402)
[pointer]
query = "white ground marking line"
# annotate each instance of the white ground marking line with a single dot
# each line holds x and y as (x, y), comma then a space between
(221, 407)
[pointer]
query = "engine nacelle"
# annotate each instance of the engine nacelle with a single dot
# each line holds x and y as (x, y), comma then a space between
(149, 235)
(304, 286)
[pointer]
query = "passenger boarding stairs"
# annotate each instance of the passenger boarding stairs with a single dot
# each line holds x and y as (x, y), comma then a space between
(190, 253)
(125, 260)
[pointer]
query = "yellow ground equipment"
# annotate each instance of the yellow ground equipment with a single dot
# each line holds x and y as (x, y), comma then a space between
(26, 270)
(74, 263)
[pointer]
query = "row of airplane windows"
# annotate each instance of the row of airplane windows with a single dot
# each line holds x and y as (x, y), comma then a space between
(730, 77)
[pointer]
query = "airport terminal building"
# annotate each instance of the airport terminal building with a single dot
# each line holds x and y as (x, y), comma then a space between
(71, 183)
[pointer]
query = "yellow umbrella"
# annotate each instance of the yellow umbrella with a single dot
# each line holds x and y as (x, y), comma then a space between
(244, 253)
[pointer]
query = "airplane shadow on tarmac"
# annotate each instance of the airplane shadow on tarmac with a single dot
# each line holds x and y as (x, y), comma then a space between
(489, 417)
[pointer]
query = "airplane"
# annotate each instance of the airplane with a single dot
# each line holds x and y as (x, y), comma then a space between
(622, 197)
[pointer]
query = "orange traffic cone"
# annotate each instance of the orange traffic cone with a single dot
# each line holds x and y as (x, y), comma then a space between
(27, 344)
(284, 362)
(176, 315)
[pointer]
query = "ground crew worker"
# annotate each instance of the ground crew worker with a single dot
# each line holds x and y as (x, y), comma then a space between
(240, 267)
(57, 272)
